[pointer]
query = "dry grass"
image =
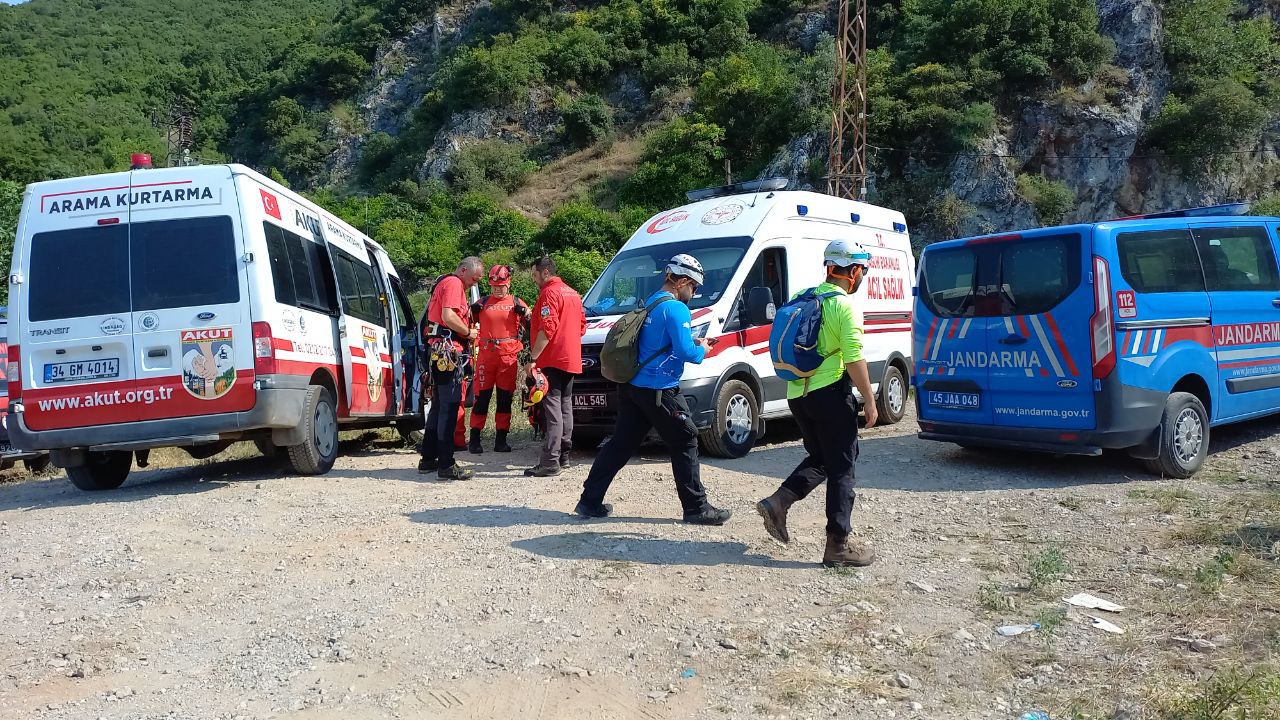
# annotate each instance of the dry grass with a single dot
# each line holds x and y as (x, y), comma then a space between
(797, 686)
(574, 176)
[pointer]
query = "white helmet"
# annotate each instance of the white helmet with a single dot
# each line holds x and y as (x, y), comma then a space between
(686, 266)
(843, 253)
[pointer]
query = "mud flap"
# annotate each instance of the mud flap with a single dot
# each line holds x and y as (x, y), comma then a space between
(1148, 449)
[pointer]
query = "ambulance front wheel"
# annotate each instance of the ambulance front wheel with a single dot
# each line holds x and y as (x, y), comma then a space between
(1184, 437)
(736, 426)
(102, 470)
(316, 454)
(891, 400)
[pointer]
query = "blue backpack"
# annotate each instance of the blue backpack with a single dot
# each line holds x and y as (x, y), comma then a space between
(793, 341)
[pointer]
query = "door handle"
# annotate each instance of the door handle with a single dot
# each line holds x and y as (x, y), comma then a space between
(1013, 340)
(158, 352)
(1276, 302)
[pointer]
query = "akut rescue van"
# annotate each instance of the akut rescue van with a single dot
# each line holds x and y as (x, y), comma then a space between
(759, 245)
(193, 307)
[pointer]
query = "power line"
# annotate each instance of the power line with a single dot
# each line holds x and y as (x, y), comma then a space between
(1155, 156)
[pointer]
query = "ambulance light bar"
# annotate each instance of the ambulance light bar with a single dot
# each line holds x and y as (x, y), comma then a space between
(740, 188)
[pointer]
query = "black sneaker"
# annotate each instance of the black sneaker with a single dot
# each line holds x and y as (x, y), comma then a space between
(454, 472)
(428, 466)
(710, 515)
(541, 471)
(602, 510)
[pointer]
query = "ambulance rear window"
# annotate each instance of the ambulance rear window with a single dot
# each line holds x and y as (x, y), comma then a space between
(79, 272)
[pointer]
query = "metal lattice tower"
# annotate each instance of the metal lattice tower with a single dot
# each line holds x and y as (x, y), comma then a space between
(179, 135)
(847, 160)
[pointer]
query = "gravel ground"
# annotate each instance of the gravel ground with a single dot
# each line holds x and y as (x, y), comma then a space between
(232, 589)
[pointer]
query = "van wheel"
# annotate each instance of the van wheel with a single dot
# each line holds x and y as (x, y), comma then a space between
(1184, 437)
(736, 426)
(102, 470)
(37, 465)
(315, 455)
(891, 401)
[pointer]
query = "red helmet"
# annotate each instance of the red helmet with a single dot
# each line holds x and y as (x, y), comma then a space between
(500, 275)
(536, 387)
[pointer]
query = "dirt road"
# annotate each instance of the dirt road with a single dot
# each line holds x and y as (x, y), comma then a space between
(234, 590)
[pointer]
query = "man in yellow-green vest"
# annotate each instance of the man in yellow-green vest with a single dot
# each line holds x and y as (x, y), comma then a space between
(827, 412)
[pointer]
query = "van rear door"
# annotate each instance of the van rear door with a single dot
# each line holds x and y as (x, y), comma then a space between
(1040, 360)
(77, 351)
(192, 341)
(949, 338)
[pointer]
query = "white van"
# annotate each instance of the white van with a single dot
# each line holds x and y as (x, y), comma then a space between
(193, 307)
(759, 245)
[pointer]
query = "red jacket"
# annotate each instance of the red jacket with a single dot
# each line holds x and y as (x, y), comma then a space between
(558, 314)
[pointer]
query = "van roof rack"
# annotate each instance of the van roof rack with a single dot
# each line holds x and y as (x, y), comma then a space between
(1225, 210)
(740, 188)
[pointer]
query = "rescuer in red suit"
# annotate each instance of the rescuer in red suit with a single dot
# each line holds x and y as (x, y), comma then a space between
(501, 316)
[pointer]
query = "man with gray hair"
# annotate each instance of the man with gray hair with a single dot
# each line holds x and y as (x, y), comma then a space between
(447, 336)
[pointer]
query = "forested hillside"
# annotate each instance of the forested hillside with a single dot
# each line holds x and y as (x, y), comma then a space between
(512, 126)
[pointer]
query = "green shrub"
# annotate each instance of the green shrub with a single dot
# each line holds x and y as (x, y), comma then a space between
(1046, 567)
(578, 54)
(681, 156)
(1269, 205)
(338, 72)
(283, 114)
(500, 229)
(669, 66)
(489, 165)
(587, 120)
(581, 227)
(495, 75)
(10, 204)
(754, 95)
(1050, 199)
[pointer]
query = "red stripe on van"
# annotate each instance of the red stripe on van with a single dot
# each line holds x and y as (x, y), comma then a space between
(1022, 325)
(282, 344)
(929, 339)
(951, 331)
(356, 351)
(1062, 346)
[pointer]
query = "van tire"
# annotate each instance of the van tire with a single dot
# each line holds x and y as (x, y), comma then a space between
(891, 401)
(1184, 428)
(316, 454)
(730, 441)
(102, 470)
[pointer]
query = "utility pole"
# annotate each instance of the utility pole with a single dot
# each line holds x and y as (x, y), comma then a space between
(847, 159)
(179, 135)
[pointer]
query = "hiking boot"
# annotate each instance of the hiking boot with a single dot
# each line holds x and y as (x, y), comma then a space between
(584, 510)
(840, 553)
(564, 462)
(541, 471)
(774, 511)
(454, 472)
(473, 445)
(428, 466)
(500, 444)
(710, 515)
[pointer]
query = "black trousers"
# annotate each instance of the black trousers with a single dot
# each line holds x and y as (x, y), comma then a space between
(442, 420)
(639, 410)
(828, 419)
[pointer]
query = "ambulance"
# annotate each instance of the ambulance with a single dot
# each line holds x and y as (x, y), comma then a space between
(759, 245)
(193, 307)
(1137, 334)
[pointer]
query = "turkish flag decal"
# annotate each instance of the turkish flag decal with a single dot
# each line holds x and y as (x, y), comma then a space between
(270, 204)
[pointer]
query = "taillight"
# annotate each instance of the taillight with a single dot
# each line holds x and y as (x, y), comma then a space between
(264, 355)
(14, 371)
(1101, 326)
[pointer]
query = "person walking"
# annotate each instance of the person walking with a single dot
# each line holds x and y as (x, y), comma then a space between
(501, 316)
(652, 400)
(827, 413)
(556, 331)
(449, 334)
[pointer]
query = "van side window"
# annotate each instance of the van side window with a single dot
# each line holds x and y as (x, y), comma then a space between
(299, 270)
(1237, 259)
(769, 270)
(359, 289)
(1160, 261)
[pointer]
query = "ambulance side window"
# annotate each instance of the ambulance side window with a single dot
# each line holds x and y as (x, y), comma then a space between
(769, 270)
(299, 270)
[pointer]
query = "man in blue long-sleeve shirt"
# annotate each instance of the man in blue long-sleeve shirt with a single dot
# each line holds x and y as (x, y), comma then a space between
(652, 400)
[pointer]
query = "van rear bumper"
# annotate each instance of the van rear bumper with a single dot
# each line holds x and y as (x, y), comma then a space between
(279, 403)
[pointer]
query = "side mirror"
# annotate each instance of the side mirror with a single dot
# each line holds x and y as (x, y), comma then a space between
(760, 307)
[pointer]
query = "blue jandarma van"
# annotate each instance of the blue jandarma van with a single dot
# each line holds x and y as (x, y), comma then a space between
(1139, 333)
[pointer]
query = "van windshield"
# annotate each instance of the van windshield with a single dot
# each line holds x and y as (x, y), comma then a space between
(113, 269)
(634, 275)
(1019, 277)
